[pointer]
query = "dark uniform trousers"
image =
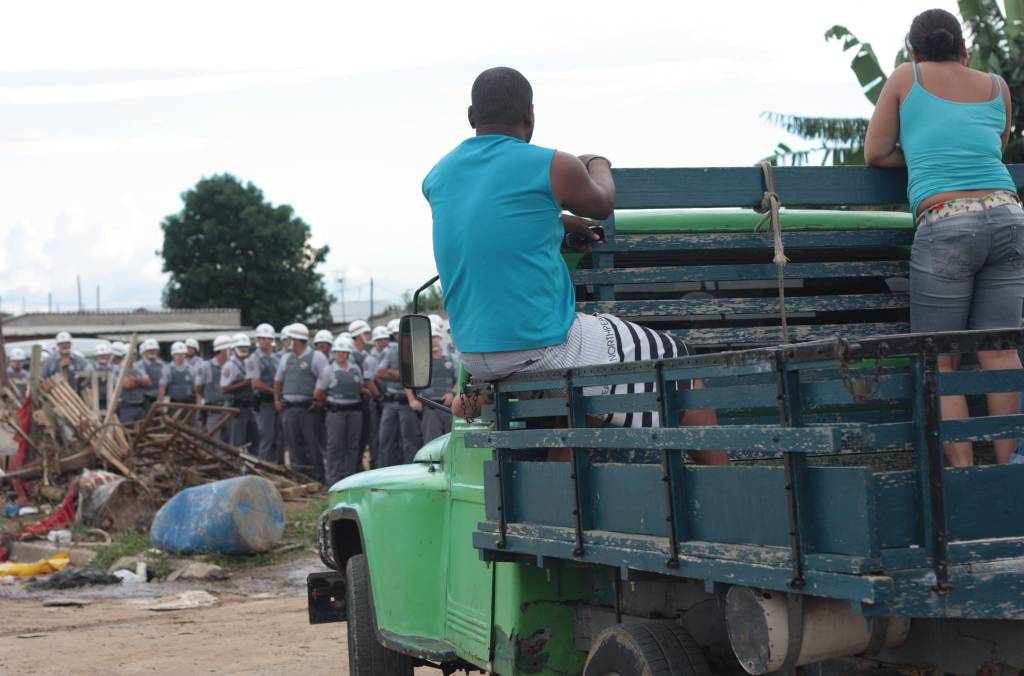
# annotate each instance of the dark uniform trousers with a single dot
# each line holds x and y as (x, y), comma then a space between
(303, 431)
(400, 436)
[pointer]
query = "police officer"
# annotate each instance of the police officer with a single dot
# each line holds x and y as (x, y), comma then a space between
(400, 436)
(132, 405)
(379, 340)
(342, 386)
(434, 423)
(178, 380)
(154, 368)
(17, 374)
(103, 367)
(71, 364)
(236, 386)
(208, 383)
(260, 368)
(323, 342)
(193, 358)
(294, 387)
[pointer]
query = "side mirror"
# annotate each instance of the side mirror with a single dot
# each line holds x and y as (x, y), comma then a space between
(415, 351)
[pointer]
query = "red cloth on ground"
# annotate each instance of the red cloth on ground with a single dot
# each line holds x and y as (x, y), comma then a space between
(61, 517)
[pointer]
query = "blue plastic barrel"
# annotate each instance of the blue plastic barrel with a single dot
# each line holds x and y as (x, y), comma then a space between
(235, 516)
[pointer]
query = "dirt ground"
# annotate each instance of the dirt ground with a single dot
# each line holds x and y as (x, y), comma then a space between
(259, 626)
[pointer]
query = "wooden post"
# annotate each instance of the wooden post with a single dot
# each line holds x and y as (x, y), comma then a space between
(3, 356)
(126, 365)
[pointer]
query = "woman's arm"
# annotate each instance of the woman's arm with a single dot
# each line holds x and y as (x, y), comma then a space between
(881, 147)
(1008, 103)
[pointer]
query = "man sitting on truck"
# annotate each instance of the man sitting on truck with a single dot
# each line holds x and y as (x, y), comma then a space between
(498, 223)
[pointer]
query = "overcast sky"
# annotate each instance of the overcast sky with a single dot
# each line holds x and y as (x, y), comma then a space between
(109, 110)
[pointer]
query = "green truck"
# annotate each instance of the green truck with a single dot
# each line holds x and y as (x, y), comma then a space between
(836, 534)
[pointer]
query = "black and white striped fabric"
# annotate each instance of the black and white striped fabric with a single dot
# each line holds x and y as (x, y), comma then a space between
(592, 340)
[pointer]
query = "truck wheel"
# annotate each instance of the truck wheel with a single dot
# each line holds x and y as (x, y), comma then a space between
(366, 656)
(645, 649)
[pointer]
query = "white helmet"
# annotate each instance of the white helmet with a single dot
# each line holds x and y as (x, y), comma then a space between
(380, 333)
(346, 335)
(296, 332)
(241, 340)
(148, 345)
(393, 326)
(343, 345)
(193, 343)
(63, 337)
(437, 322)
(178, 347)
(358, 327)
(323, 336)
(437, 333)
(119, 349)
(221, 343)
(17, 354)
(102, 350)
(265, 331)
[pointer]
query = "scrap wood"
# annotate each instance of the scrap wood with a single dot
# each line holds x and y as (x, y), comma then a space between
(71, 407)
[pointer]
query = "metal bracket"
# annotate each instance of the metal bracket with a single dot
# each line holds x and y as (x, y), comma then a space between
(666, 469)
(574, 413)
(933, 422)
(795, 622)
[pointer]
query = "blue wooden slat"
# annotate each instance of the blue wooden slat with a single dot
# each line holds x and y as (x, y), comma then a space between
(985, 502)
(981, 382)
(739, 306)
(737, 438)
(977, 593)
(845, 239)
(621, 499)
(983, 429)
(744, 186)
(888, 388)
(772, 335)
(736, 396)
(749, 271)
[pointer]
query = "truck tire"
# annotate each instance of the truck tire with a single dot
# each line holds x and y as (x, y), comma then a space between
(645, 649)
(366, 656)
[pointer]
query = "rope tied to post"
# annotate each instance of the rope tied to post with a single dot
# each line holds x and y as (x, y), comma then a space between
(770, 206)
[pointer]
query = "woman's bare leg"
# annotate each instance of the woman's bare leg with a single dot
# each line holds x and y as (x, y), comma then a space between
(1002, 403)
(954, 407)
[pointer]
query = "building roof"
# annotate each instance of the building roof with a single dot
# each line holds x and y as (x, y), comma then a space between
(160, 322)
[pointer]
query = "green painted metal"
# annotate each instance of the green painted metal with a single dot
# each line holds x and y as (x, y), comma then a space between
(667, 221)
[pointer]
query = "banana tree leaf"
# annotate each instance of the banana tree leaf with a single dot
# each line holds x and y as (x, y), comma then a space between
(864, 65)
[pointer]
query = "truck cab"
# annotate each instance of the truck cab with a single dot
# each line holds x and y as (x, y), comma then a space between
(836, 534)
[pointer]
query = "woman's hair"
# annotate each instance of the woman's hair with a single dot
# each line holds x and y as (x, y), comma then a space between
(935, 35)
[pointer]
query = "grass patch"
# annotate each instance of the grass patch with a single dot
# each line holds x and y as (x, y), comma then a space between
(128, 543)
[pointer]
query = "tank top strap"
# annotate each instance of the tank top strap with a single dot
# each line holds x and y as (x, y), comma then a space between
(997, 91)
(917, 78)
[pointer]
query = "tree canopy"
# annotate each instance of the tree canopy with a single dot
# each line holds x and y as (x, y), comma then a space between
(995, 45)
(229, 247)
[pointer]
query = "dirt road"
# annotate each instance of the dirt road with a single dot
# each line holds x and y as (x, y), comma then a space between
(259, 626)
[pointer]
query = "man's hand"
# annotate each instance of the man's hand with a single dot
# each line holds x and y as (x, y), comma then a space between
(578, 230)
(416, 405)
(449, 397)
(279, 405)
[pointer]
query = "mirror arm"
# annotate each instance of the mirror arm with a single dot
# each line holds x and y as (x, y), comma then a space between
(416, 296)
(430, 403)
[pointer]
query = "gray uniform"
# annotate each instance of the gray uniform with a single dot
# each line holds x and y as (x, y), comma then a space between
(75, 371)
(344, 420)
(262, 367)
(154, 371)
(104, 381)
(373, 406)
(434, 423)
(208, 378)
(132, 406)
(400, 435)
(19, 380)
(243, 426)
(303, 428)
(179, 383)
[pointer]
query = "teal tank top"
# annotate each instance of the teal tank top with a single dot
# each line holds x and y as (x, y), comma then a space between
(497, 241)
(951, 145)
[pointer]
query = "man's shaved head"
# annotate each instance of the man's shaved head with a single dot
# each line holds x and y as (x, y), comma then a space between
(501, 96)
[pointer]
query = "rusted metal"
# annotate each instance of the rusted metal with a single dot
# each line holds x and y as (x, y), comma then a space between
(787, 418)
(932, 422)
(500, 459)
(576, 419)
(668, 418)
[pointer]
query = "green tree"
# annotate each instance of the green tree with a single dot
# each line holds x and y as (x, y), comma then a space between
(996, 45)
(229, 247)
(431, 300)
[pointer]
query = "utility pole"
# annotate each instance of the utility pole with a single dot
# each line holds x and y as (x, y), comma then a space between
(49, 302)
(340, 279)
(97, 298)
(371, 297)
(78, 279)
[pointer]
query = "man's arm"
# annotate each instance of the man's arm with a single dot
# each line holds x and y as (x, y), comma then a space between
(584, 190)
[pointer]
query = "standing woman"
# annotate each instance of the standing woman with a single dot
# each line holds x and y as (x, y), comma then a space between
(948, 124)
(343, 387)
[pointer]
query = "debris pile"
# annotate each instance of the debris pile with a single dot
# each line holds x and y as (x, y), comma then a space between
(142, 464)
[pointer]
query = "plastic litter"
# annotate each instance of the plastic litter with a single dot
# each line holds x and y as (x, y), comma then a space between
(55, 563)
(28, 510)
(128, 577)
(72, 577)
(62, 536)
(10, 510)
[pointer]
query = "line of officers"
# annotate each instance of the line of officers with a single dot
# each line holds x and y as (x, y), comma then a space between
(326, 401)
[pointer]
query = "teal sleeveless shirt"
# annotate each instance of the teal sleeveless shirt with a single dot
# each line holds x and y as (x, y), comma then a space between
(951, 145)
(497, 239)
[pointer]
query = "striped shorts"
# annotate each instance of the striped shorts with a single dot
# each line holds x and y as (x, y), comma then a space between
(593, 340)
